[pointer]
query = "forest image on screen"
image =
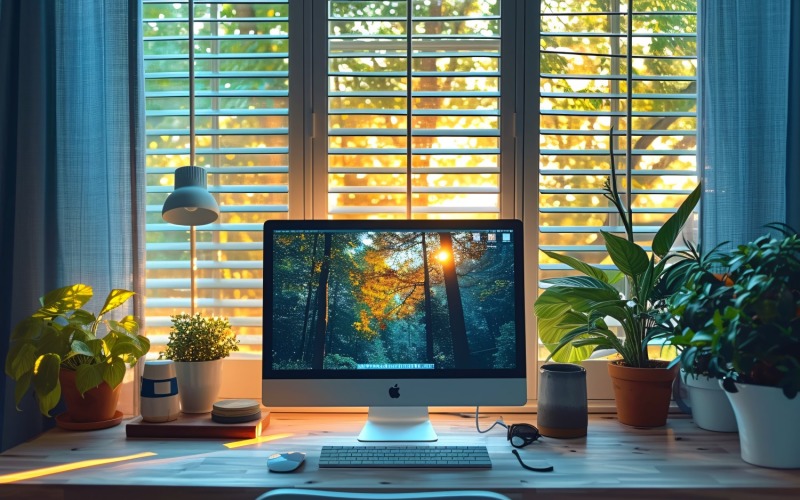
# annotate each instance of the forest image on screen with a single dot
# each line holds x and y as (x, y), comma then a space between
(393, 300)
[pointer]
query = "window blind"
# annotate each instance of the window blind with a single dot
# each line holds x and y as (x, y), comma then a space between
(241, 81)
(413, 108)
(630, 65)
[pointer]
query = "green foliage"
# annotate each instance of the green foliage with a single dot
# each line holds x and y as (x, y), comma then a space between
(339, 362)
(572, 311)
(195, 338)
(738, 314)
(505, 356)
(62, 335)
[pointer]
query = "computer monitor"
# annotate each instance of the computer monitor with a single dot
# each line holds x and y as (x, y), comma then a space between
(396, 315)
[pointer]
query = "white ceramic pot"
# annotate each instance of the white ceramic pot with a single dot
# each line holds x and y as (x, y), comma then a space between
(711, 409)
(198, 384)
(159, 394)
(769, 433)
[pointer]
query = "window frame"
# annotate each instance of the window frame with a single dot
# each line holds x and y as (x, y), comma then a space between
(519, 145)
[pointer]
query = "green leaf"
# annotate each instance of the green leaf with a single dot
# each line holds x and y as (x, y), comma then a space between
(586, 269)
(29, 328)
(552, 331)
(579, 282)
(115, 299)
(646, 284)
(129, 346)
(628, 257)
(23, 383)
(556, 300)
(79, 347)
(665, 237)
(82, 318)
(20, 360)
(49, 400)
(145, 343)
(130, 324)
(45, 373)
(88, 377)
(63, 299)
(114, 372)
(614, 277)
(550, 304)
(53, 340)
(96, 346)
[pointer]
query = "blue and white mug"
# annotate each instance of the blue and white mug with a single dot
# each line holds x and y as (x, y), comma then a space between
(159, 394)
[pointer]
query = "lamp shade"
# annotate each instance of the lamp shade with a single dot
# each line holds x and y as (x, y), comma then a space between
(190, 204)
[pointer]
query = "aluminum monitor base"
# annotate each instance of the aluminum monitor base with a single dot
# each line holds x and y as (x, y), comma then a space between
(401, 423)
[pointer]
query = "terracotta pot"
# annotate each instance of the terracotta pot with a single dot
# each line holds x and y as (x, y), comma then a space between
(96, 405)
(642, 394)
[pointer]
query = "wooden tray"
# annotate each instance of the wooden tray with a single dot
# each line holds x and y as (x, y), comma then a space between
(196, 426)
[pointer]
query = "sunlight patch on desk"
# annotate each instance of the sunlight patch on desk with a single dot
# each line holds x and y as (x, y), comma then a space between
(260, 439)
(47, 471)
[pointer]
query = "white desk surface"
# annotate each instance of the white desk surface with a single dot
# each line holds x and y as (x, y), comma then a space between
(613, 461)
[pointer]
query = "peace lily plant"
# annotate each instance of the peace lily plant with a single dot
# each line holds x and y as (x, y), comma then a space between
(573, 311)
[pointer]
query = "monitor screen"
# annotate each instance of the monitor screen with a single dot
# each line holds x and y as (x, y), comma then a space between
(393, 313)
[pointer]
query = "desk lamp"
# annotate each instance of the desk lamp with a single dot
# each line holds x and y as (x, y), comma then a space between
(190, 203)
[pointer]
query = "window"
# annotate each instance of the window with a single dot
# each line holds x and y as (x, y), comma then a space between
(414, 109)
(601, 68)
(242, 88)
(410, 108)
(393, 135)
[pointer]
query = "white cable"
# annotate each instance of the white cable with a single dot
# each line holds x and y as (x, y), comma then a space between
(496, 422)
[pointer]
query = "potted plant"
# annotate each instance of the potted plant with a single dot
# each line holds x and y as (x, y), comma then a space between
(64, 348)
(753, 345)
(573, 311)
(705, 292)
(198, 345)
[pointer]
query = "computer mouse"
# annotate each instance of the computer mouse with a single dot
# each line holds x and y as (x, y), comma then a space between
(285, 462)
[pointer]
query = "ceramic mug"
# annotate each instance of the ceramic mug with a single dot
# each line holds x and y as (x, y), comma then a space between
(159, 394)
(562, 407)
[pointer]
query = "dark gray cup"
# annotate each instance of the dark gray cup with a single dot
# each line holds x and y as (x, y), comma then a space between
(563, 412)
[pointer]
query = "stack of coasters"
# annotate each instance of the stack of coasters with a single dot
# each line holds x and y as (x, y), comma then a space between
(235, 411)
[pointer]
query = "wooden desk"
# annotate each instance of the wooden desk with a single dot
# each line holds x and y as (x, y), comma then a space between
(614, 461)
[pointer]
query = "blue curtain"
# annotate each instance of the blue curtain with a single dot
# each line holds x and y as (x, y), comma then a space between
(793, 130)
(748, 169)
(71, 163)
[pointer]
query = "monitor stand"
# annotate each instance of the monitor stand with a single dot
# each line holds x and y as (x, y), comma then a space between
(398, 423)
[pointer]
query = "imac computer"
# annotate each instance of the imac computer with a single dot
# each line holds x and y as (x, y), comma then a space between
(396, 315)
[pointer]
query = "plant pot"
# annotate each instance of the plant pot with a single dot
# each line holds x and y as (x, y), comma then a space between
(562, 408)
(642, 394)
(198, 384)
(711, 409)
(96, 405)
(769, 434)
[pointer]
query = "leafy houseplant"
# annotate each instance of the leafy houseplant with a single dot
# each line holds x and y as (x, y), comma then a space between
(198, 345)
(195, 338)
(691, 309)
(748, 330)
(62, 337)
(572, 311)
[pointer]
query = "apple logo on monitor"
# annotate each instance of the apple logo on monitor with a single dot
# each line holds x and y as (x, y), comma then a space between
(394, 392)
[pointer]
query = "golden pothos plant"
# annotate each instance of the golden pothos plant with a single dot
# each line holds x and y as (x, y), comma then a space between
(63, 335)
